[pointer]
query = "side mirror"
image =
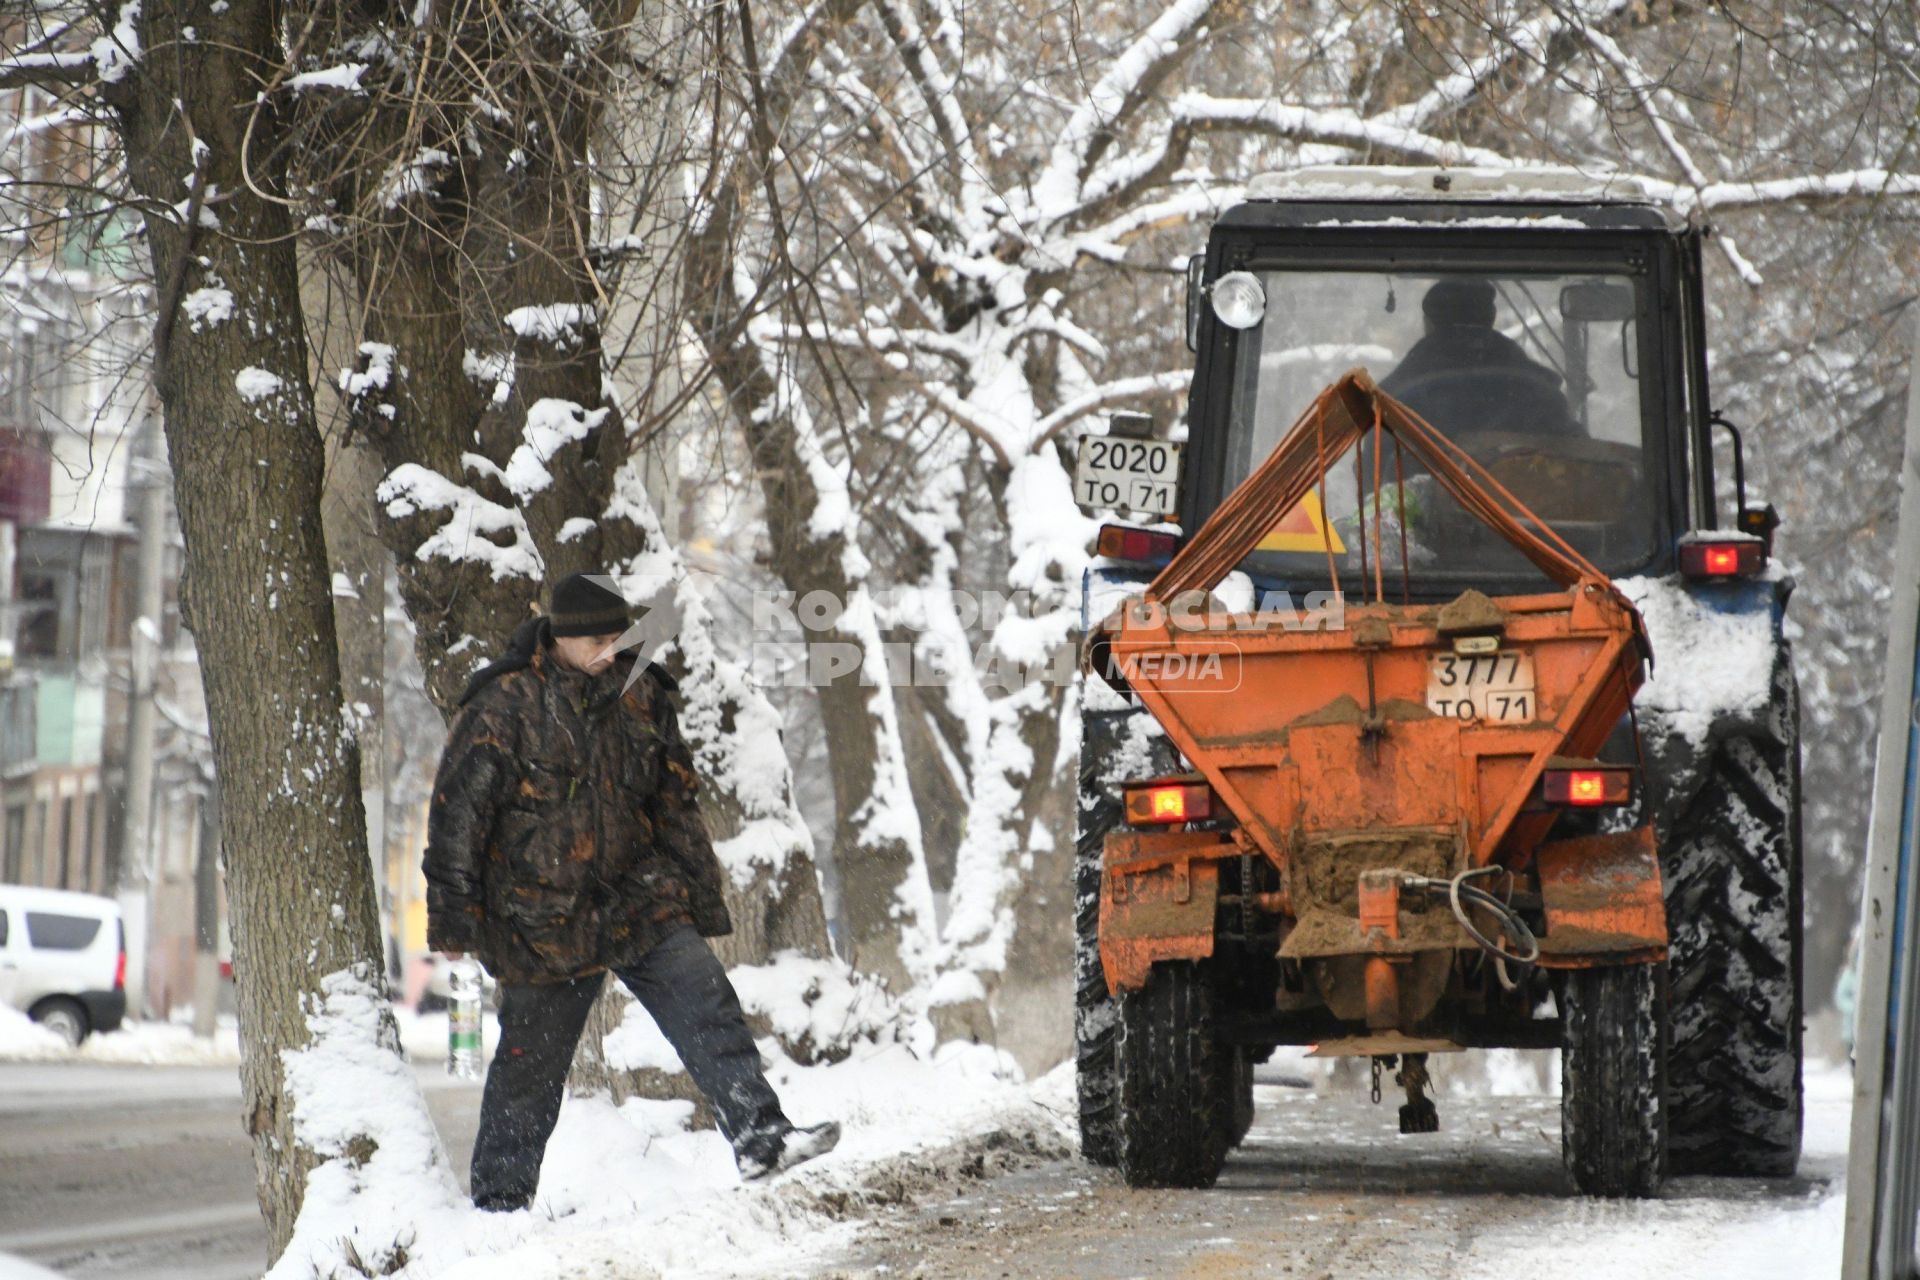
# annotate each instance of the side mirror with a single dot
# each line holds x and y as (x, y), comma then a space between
(1196, 269)
(1597, 302)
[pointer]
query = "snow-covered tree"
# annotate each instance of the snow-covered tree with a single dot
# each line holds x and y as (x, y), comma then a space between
(166, 98)
(970, 224)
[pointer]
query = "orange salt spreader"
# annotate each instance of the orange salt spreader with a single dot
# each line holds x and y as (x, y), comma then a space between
(1364, 855)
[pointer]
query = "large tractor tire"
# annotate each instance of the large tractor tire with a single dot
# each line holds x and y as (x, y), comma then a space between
(1176, 1121)
(1613, 1096)
(1114, 746)
(1731, 862)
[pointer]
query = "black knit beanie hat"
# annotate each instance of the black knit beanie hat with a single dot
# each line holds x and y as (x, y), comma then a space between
(584, 605)
(1462, 302)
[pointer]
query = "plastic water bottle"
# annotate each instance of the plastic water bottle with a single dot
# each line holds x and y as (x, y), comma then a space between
(463, 1019)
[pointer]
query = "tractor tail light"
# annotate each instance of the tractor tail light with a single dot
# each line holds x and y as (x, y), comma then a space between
(1587, 788)
(1164, 803)
(1735, 557)
(1119, 542)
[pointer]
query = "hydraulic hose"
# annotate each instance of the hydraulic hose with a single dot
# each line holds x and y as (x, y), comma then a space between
(1459, 894)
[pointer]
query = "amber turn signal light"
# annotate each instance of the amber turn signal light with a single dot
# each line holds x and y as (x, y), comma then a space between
(1587, 788)
(1161, 803)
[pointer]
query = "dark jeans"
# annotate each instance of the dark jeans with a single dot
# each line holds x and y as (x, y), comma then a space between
(685, 988)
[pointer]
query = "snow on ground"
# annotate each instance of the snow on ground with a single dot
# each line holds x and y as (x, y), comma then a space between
(138, 1043)
(173, 1044)
(1691, 1233)
(629, 1192)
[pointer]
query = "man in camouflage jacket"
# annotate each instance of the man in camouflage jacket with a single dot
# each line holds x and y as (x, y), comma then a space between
(564, 841)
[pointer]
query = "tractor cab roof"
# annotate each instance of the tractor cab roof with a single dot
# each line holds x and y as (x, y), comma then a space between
(1406, 197)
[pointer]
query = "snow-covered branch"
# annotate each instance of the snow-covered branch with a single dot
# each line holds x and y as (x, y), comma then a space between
(1116, 392)
(934, 85)
(1844, 185)
(44, 70)
(1127, 81)
(1336, 126)
(1649, 98)
(1526, 53)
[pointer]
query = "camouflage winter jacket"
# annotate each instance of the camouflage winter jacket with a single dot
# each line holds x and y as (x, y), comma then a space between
(564, 837)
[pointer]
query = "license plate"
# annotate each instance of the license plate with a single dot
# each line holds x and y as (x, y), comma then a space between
(1483, 688)
(1120, 473)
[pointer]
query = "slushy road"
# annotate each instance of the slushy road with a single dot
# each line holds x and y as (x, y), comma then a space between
(144, 1171)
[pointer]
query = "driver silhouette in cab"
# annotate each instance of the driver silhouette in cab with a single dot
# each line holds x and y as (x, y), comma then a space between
(1467, 378)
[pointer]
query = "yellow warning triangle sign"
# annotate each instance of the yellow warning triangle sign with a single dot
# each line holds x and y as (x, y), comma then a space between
(1304, 528)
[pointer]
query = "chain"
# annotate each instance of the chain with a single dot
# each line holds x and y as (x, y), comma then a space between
(1376, 1080)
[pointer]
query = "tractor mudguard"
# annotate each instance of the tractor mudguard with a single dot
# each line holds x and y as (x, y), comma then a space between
(1603, 900)
(1679, 755)
(1158, 896)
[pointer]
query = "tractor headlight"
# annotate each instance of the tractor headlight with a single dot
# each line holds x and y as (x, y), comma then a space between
(1239, 300)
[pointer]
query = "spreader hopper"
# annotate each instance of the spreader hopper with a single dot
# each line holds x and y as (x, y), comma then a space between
(1399, 763)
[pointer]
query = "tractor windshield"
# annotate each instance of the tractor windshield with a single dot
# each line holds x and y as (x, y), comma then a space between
(1536, 376)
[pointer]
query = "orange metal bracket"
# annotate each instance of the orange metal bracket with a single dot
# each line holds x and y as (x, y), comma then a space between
(1158, 896)
(1379, 901)
(1603, 901)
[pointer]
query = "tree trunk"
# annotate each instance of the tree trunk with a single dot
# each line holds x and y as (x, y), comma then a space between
(885, 895)
(248, 465)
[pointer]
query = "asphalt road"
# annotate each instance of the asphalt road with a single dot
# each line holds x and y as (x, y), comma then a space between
(143, 1171)
(1325, 1188)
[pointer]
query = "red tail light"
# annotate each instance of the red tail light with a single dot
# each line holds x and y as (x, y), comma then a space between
(1722, 556)
(1587, 788)
(1119, 542)
(1164, 803)
(120, 971)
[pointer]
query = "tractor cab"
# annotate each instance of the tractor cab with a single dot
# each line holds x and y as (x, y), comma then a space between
(1549, 326)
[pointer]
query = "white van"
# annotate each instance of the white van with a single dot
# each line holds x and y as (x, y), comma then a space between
(63, 959)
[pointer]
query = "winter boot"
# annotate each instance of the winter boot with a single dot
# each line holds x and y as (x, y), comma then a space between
(785, 1149)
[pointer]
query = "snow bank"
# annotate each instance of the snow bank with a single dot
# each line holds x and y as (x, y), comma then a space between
(630, 1191)
(387, 1179)
(163, 1044)
(157, 1044)
(1706, 664)
(23, 1039)
(818, 1009)
(627, 1193)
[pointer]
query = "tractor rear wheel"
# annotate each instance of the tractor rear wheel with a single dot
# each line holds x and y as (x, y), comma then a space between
(1733, 886)
(1114, 746)
(1613, 1105)
(1176, 1121)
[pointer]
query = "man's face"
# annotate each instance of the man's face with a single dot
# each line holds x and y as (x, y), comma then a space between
(591, 654)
